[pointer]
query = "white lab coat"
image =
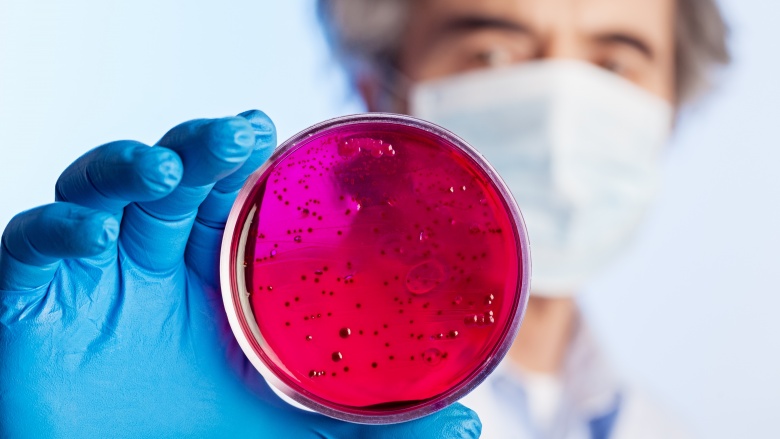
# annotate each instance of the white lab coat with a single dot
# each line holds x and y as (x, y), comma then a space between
(587, 401)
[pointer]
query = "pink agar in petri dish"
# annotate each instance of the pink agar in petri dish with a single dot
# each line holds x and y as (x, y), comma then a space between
(375, 269)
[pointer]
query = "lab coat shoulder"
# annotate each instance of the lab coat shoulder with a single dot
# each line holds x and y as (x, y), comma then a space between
(642, 418)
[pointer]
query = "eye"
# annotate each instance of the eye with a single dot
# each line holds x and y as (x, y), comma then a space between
(623, 60)
(616, 67)
(496, 56)
(621, 67)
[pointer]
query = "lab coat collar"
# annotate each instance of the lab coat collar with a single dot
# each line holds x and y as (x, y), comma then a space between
(590, 386)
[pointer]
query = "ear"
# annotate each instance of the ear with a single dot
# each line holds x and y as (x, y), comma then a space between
(378, 95)
(370, 89)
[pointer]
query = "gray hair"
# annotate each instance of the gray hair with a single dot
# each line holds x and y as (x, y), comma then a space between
(364, 37)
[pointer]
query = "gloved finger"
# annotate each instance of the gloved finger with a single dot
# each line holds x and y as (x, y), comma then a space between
(111, 176)
(155, 233)
(455, 421)
(37, 240)
(265, 142)
(205, 240)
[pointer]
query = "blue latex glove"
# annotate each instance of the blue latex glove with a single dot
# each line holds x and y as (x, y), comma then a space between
(111, 319)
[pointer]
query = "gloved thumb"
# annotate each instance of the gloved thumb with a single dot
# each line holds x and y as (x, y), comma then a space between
(455, 421)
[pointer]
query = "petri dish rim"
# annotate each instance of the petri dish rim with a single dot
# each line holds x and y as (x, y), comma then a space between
(245, 329)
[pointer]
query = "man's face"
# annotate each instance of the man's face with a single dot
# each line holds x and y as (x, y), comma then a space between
(632, 38)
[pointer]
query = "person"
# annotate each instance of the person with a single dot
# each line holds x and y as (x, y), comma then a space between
(110, 318)
(572, 102)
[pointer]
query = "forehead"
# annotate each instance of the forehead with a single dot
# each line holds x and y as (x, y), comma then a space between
(649, 18)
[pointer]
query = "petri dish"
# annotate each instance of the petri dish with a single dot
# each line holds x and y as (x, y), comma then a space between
(375, 269)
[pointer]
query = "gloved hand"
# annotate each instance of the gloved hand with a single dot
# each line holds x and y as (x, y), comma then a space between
(111, 319)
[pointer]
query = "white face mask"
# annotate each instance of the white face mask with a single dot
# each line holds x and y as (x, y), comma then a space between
(578, 147)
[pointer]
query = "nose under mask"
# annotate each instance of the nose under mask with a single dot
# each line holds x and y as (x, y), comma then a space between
(577, 146)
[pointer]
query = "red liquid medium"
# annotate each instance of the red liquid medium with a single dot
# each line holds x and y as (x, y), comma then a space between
(382, 267)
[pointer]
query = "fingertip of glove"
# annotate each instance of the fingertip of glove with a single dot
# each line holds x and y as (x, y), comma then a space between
(232, 138)
(472, 427)
(263, 126)
(110, 232)
(161, 169)
(464, 422)
(99, 231)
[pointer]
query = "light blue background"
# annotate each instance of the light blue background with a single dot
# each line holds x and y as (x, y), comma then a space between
(691, 314)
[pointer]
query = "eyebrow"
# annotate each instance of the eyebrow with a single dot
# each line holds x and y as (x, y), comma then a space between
(627, 40)
(460, 24)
